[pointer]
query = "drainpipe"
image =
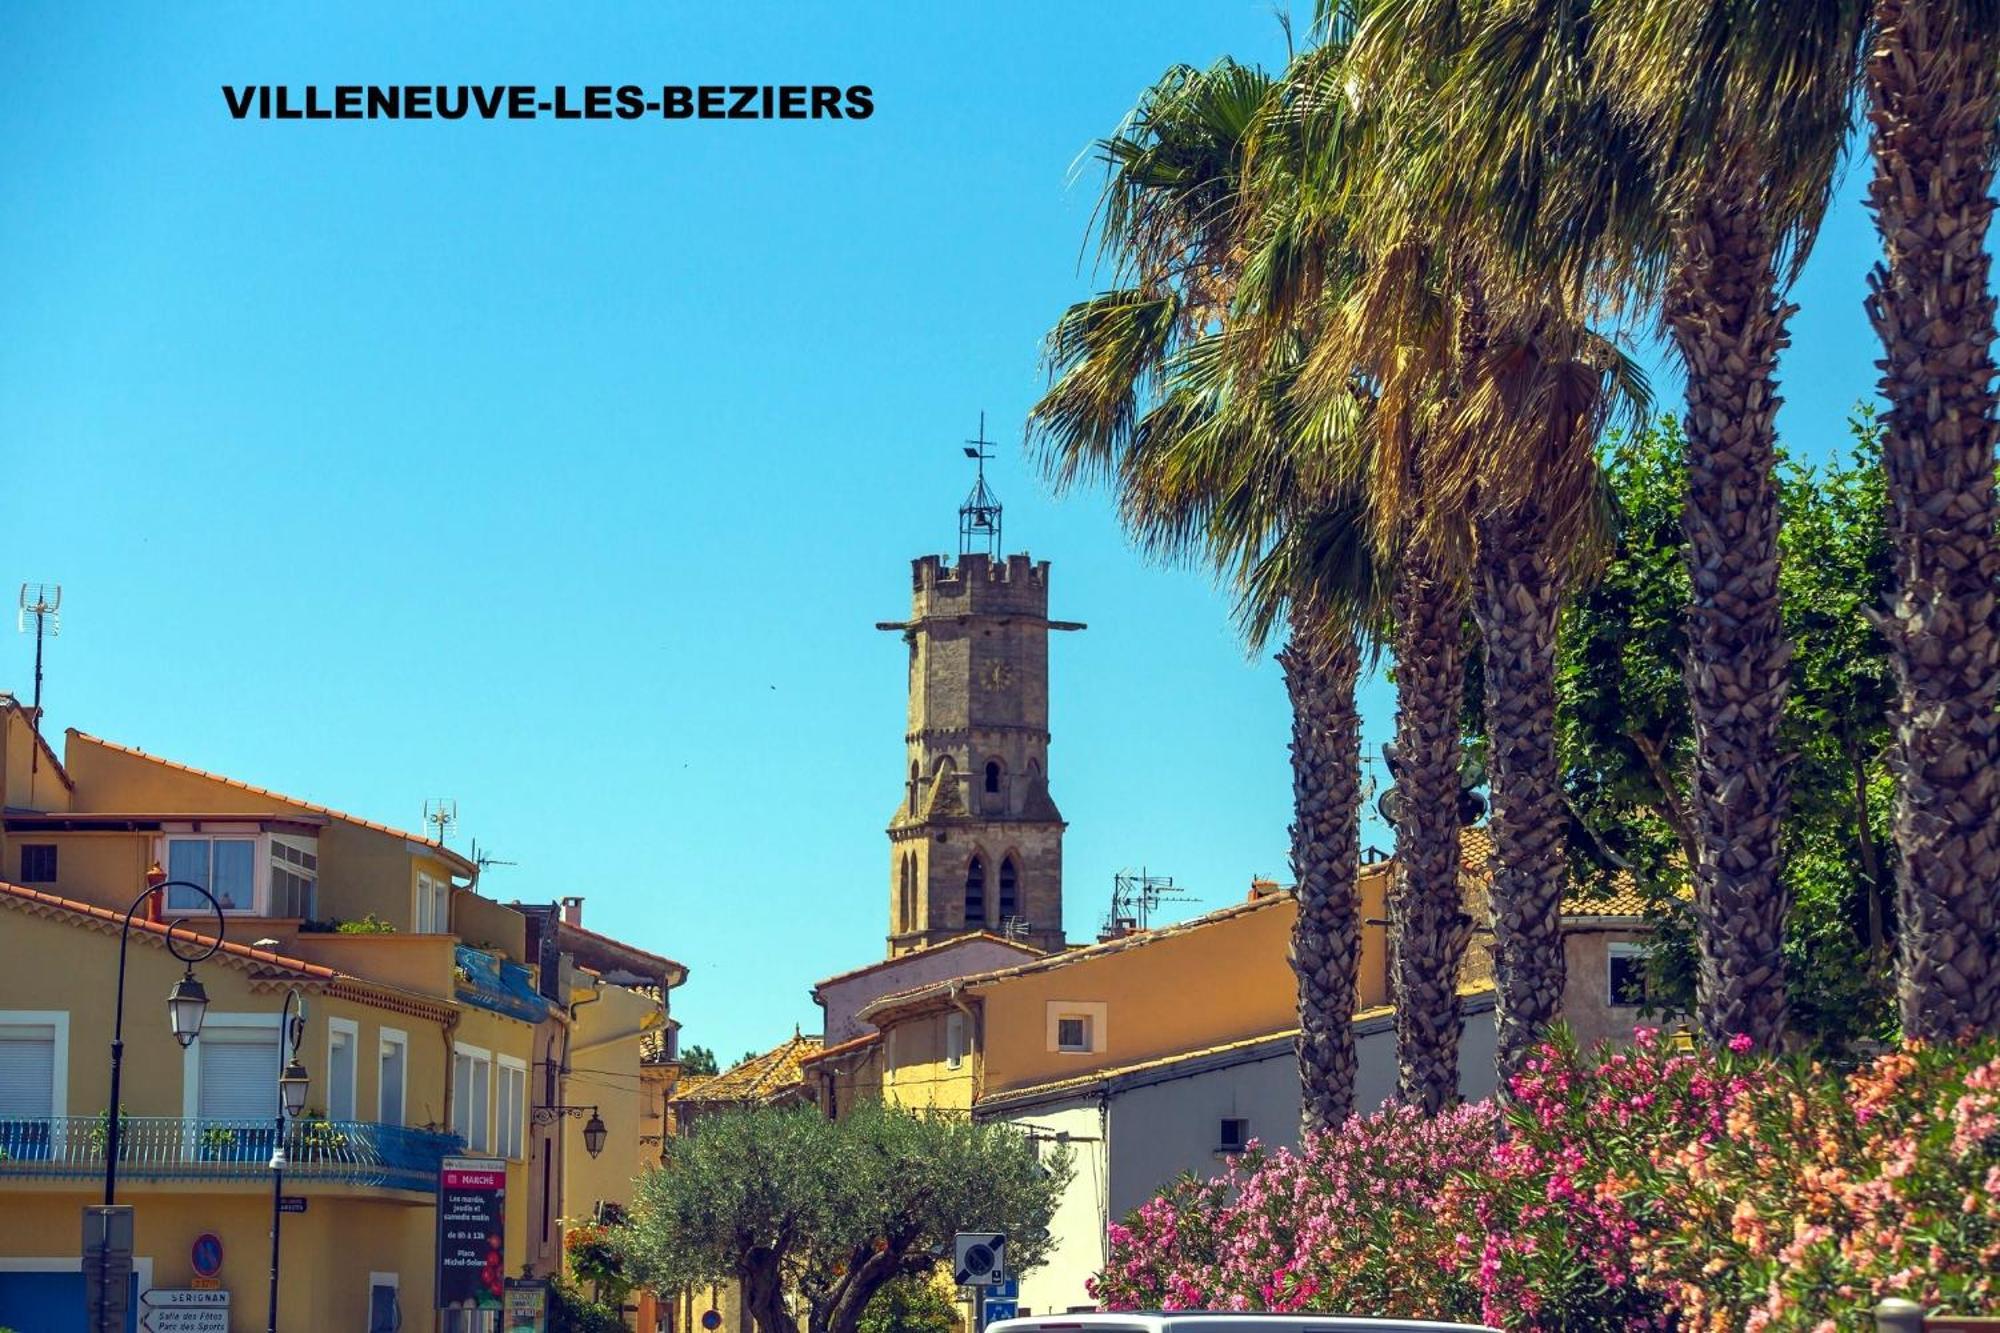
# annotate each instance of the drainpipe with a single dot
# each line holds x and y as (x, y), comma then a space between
(972, 1032)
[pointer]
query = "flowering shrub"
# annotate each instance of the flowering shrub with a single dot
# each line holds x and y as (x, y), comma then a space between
(1645, 1187)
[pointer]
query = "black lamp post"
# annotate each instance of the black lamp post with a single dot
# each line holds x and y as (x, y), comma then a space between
(187, 1004)
(293, 1084)
(593, 1128)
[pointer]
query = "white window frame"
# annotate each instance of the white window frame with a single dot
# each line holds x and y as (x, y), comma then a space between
(191, 1060)
(1621, 949)
(478, 1054)
(428, 885)
(1092, 1012)
(398, 1038)
(518, 1150)
(260, 861)
(352, 1031)
(57, 1019)
(954, 1040)
(298, 842)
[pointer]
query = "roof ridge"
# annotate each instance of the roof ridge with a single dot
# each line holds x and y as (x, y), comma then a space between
(238, 783)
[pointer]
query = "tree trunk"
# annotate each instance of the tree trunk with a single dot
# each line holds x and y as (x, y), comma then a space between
(1429, 928)
(1516, 600)
(1729, 327)
(1932, 102)
(762, 1286)
(1321, 664)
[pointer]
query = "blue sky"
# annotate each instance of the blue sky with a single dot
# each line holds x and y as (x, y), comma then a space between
(563, 469)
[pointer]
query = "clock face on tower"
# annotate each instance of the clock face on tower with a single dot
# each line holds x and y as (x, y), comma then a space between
(998, 675)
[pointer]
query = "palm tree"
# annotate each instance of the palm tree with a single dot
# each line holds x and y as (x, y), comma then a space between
(1204, 463)
(1933, 82)
(1669, 157)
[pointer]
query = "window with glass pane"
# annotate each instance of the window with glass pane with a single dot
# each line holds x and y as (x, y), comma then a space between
(512, 1109)
(389, 1100)
(340, 1075)
(1073, 1034)
(226, 867)
(294, 877)
(471, 1114)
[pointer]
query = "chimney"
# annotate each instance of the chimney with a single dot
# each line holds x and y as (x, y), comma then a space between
(572, 911)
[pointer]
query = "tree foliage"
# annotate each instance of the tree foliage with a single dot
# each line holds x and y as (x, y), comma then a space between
(811, 1217)
(1626, 737)
(698, 1060)
(910, 1305)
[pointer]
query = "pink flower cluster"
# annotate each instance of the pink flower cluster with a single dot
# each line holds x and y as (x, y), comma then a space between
(1639, 1188)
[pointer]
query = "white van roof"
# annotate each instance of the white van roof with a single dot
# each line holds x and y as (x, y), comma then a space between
(1222, 1321)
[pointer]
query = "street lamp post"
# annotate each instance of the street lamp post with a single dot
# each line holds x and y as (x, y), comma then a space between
(187, 1004)
(292, 1087)
(594, 1131)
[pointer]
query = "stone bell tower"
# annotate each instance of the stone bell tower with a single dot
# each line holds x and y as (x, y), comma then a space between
(976, 841)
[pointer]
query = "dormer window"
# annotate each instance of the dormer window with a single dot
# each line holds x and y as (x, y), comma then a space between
(249, 871)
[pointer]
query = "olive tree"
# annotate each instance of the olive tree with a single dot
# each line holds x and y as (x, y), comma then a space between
(811, 1217)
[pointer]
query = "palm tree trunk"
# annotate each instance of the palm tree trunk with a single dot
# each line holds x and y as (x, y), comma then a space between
(1934, 93)
(1516, 599)
(1428, 925)
(1729, 326)
(1321, 663)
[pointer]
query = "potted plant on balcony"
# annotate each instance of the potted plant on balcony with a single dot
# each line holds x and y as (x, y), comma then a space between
(317, 1139)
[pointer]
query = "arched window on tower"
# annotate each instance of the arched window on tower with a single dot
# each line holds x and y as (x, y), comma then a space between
(975, 894)
(906, 900)
(1010, 896)
(993, 775)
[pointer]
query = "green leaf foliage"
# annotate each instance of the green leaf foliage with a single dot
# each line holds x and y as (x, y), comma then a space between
(811, 1217)
(1625, 737)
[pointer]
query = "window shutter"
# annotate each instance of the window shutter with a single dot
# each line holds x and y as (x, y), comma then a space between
(27, 1071)
(239, 1078)
(390, 1102)
(340, 1077)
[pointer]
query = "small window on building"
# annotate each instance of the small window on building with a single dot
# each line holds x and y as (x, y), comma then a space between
(38, 863)
(294, 877)
(433, 915)
(472, 1097)
(226, 867)
(1234, 1134)
(29, 1058)
(954, 1040)
(1073, 1032)
(512, 1108)
(992, 775)
(1625, 970)
(394, 1055)
(341, 1039)
(975, 893)
(1010, 897)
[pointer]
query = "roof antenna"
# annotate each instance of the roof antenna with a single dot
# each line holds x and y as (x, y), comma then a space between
(483, 860)
(44, 603)
(443, 812)
(1134, 899)
(979, 516)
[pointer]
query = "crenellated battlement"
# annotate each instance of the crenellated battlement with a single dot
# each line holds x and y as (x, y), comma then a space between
(979, 583)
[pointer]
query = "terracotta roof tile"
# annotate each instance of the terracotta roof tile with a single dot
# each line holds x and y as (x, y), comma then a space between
(467, 867)
(761, 1078)
(987, 935)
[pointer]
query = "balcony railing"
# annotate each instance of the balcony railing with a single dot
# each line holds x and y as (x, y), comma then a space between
(350, 1152)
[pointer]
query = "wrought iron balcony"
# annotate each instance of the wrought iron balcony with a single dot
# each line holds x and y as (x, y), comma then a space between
(350, 1152)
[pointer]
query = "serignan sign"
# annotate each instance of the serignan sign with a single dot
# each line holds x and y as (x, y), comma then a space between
(471, 1212)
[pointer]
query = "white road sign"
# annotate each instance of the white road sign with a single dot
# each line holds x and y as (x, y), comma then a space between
(173, 1311)
(979, 1258)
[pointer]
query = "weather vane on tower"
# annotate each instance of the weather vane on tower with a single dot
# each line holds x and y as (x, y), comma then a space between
(979, 516)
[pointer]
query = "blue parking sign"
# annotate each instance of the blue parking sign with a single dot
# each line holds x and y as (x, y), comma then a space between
(1001, 1310)
(1008, 1289)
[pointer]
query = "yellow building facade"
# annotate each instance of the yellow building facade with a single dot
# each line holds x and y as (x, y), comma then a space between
(430, 1029)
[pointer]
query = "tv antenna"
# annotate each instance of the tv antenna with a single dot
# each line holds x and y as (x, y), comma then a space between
(979, 516)
(1135, 896)
(441, 813)
(43, 602)
(482, 860)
